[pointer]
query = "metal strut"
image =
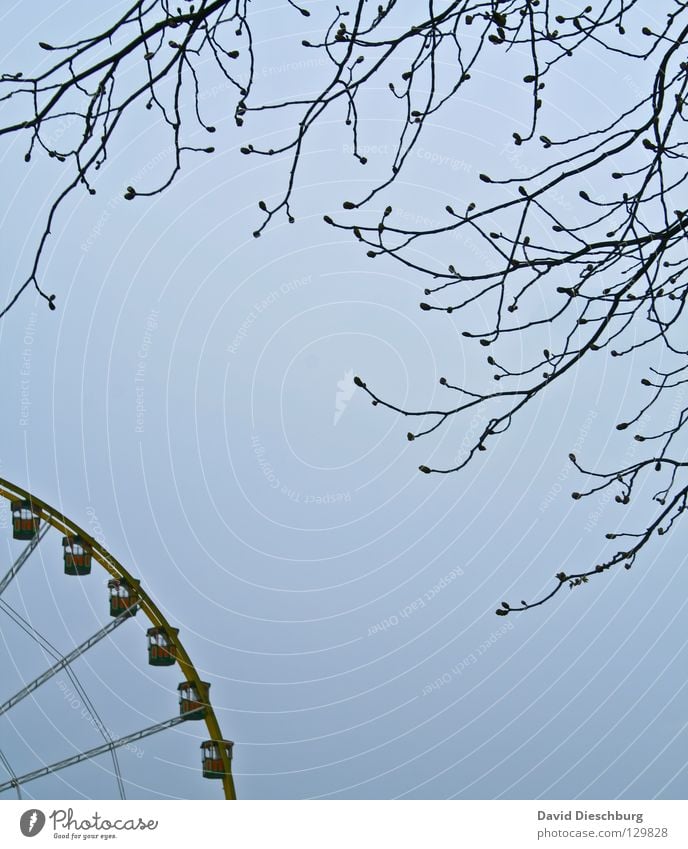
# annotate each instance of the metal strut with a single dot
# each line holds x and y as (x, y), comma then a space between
(13, 780)
(101, 555)
(93, 753)
(66, 660)
(50, 649)
(24, 556)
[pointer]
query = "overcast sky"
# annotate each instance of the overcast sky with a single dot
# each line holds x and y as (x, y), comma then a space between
(190, 403)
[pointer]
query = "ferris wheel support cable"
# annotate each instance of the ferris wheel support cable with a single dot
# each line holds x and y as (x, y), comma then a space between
(50, 649)
(59, 521)
(92, 753)
(66, 660)
(23, 557)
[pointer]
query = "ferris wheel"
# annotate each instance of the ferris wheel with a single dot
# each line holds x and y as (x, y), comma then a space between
(31, 520)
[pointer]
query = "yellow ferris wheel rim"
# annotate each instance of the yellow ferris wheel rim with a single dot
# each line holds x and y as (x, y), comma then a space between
(101, 555)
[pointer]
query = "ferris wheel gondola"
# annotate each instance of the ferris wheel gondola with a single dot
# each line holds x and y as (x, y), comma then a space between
(31, 519)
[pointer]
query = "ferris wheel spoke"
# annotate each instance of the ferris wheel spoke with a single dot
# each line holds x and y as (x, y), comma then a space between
(14, 782)
(93, 753)
(24, 556)
(67, 659)
(30, 520)
(50, 649)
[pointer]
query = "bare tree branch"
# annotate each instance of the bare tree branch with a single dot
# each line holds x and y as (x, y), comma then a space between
(613, 277)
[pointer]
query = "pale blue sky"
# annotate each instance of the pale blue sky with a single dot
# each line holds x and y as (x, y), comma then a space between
(284, 530)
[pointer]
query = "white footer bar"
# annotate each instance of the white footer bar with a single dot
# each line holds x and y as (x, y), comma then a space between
(350, 824)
